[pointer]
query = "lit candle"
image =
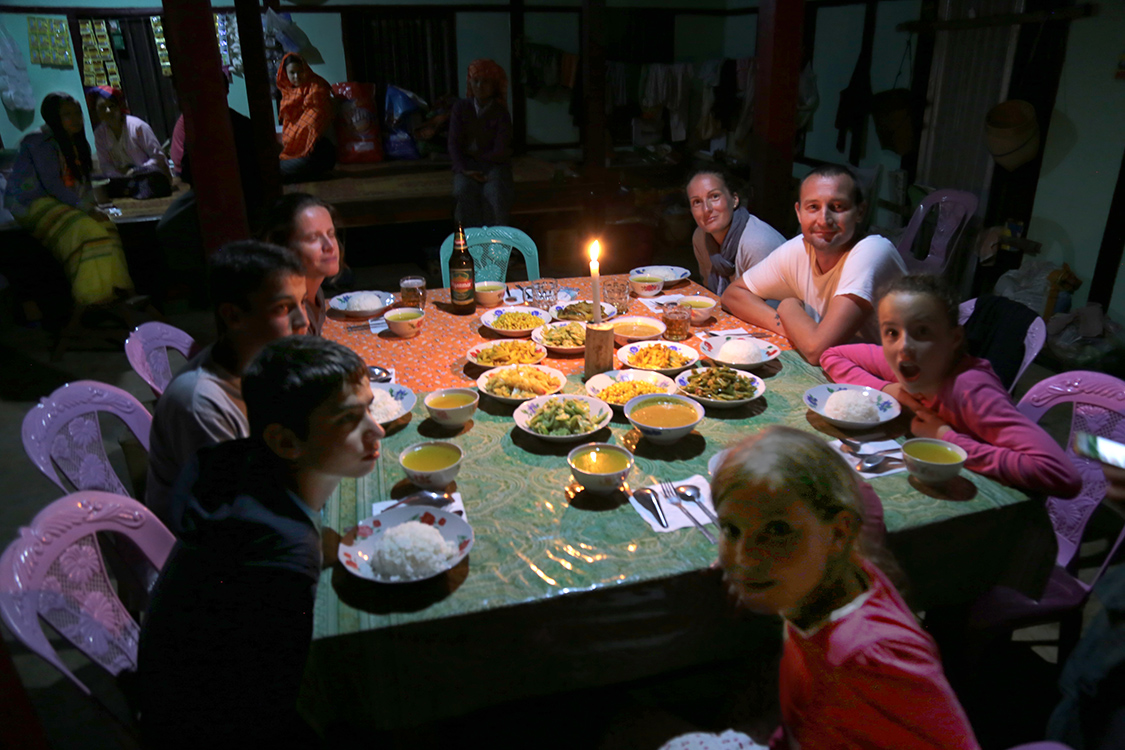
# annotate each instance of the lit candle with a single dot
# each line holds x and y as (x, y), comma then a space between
(595, 250)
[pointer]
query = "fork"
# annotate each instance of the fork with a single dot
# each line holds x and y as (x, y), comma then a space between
(670, 493)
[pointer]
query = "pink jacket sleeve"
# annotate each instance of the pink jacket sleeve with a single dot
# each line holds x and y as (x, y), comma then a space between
(857, 364)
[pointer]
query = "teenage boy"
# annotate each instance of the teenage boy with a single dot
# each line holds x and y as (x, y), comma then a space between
(224, 644)
(258, 292)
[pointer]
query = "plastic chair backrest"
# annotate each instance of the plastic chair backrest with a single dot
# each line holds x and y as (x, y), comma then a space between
(55, 571)
(1099, 409)
(954, 210)
(147, 351)
(491, 247)
(62, 430)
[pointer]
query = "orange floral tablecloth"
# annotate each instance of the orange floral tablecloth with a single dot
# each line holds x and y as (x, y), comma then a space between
(436, 357)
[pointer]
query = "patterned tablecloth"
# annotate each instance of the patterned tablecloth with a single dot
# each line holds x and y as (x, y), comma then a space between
(539, 540)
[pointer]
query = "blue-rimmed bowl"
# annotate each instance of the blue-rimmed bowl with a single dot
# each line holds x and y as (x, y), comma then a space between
(603, 380)
(670, 274)
(339, 303)
(400, 393)
(683, 382)
(663, 435)
(488, 320)
(599, 410)
(626, 353)
(886, 407)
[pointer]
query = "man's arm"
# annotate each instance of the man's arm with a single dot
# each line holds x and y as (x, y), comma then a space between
(739, 301)
(845, 314)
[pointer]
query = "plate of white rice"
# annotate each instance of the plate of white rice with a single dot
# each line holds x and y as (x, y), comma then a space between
(740, 352)
(852, 406)
(406, 544)
(391, 401)
(361, 304)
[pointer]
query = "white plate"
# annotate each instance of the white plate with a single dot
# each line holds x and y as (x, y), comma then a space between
(712, 344)
(399, 393)
(670, 274)
(599, 412)
(682, 382)
(482, 382)
(474, 353)
(356, 557)
(603, 380)
(715, 460)
(537, 337)
(490, 317)
(629, 350)
(608, 310)
(339, 303)
(887, 407)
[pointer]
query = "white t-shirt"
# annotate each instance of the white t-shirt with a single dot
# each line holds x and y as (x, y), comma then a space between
(790, 271)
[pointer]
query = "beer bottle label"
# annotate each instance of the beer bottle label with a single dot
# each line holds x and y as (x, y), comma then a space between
(461, 286)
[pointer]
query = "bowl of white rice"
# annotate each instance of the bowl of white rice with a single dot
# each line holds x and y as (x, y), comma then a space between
(406, 544)
(391, 401)
(361, 304)
(851, 406)
(740, 352)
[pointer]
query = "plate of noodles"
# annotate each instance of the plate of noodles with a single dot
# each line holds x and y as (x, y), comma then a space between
(361, 304)
(514, 384)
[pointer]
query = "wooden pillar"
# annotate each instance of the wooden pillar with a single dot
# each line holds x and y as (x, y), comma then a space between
(1113, 246)
(775, 108)
(519, 93)
(249, 16)
(593, 85)
(189, 30)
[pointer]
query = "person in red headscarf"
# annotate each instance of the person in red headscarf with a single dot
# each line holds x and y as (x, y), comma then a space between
(125, 144)
(480, 145)
(305, 115)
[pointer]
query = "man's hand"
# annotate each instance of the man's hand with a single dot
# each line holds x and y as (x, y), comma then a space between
(844, 316)
(739, 301)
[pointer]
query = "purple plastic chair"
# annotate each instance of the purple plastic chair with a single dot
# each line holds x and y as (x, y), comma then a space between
(1033, 340)
(954, 210)
(1099, 409)
(62, 430)
(54, 571)
(1045, 745)
(147, 350)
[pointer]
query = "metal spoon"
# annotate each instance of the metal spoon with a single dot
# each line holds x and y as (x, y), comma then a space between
(653, 504)
(425, 497)
(873, 462)
(691, 493)
(377, 374)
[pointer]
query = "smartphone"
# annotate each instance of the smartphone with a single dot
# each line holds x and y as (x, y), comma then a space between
(1100, 449)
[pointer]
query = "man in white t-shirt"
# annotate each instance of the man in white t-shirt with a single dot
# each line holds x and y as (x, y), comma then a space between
(826, 278)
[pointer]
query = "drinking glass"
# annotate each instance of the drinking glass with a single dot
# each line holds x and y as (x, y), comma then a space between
(544, 293)
(677, 321)
(616, 292)
(413, 291)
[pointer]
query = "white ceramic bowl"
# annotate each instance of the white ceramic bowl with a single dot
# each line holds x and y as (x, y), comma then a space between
(557, 376)
(712, 345)
(452, 416)
(756, 383)
(474, 353)
(490, 293)
(887, 408)
(623, 338)
(339, 303)
(405, 322)
(701, 307)
(400, 393)
(670, 274)
(626, 352)
(645, 285)
(489, 319)
(356, 557)
(556, 310)
(932, 472)
(603, 380)
(431, 480)
(663, 435)
(599, 410)
(538, 337)
(596, 482)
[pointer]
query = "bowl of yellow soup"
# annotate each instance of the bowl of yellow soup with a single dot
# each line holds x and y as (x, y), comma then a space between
(645, 285)
(664, 418)
(701, 307)
(600, 467)
(490, 293)
(633, 328)
(933, 461)
(452, 407)
(405, 322)
(431, 465)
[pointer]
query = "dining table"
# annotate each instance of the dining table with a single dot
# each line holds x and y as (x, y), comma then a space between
(565, 589)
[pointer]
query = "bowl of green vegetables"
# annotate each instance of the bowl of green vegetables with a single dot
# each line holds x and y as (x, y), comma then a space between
(720, 387)
(562, 417)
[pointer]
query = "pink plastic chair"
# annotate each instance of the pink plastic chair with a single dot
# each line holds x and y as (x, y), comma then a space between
(1033, 340)
(1099, 409)
(54, 572)
(954, 209)
(62, 430)
(147, 350)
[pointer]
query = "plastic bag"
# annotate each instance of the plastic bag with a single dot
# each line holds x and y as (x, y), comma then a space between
(403, 109)
(357, 124)
(15, 85)
(1029, 284)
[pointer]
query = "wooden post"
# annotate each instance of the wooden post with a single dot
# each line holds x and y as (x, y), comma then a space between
(189, 30)
(1112, 247)
(593, 84)
(599, 348)
(519, 93)
(258, 97)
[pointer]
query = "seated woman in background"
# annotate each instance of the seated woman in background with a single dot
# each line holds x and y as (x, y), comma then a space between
(127, 148)
(50, 196)
(307, 225)
(728, 239)
(480, 145)
(305, 114)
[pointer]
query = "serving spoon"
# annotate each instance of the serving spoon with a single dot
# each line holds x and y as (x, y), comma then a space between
(873, 461)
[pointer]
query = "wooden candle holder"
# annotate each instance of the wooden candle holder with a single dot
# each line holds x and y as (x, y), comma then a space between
(599, 348)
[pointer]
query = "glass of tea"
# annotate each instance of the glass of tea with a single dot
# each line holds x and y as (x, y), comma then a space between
(677, 321)
(413, 291)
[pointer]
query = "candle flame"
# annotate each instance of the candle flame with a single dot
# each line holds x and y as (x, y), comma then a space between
(595, 250)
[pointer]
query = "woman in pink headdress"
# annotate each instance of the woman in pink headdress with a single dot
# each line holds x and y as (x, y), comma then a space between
(125, 144)
(480, 144)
